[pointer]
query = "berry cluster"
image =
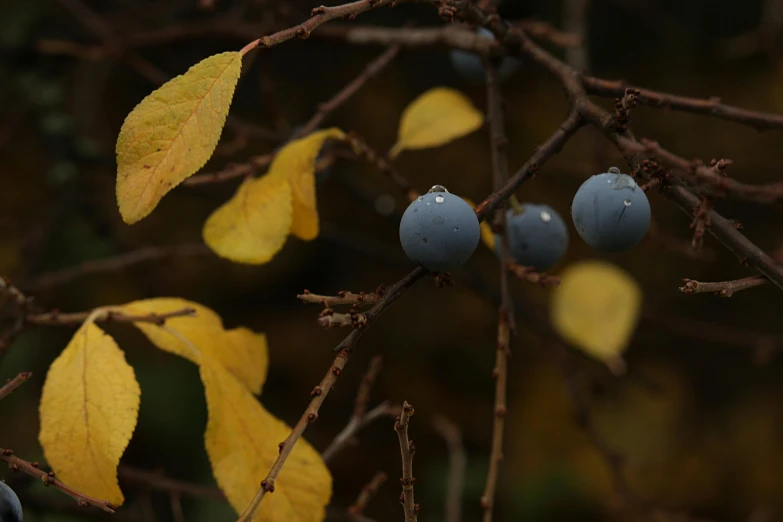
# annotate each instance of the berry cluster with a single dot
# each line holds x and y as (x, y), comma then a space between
(610, 211)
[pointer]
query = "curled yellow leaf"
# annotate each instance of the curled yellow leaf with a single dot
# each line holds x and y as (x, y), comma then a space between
(296, 163)
(242, 440)
(435, 118)
(172, 133)
(253, 225)
(242, 352)
(88, 410)
(596, 308)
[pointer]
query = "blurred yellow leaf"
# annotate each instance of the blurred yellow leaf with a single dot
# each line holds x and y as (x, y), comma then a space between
(253, 225)
(296, 163)
(88, 411)
(596, 308)
(172, 133)
(242, 443)
(435, 118)
(487, 236)
(241, 351)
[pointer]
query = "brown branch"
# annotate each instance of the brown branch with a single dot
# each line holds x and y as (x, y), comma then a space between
(320, 392)
(407, 450)
(705, 178)
(368, 154)
(115, 263)
(160, 482)
(329, 319)
(457, 463)
(33, 469)
(56, 318)
(707, 106)
(318, 16)
(722, 288)
(231, 171)
(343, 297)
(498, 144)
(12, 384)
(367, 493)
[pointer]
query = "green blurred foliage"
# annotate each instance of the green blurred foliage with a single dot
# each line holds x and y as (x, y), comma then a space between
(698, 419)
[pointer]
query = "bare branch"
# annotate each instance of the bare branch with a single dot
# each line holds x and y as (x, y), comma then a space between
(56, 318)
(12, 384)
(407, 450)
(367, 493)
(722, 288)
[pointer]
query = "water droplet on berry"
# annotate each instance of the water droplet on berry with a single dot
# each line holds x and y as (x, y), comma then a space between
(546, 217)
(439, 199)
(614, 170)
(420, 198)
(456, 228)
(627, 202)
(438, 188)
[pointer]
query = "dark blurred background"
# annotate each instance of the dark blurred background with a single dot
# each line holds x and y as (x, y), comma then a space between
(699, 417)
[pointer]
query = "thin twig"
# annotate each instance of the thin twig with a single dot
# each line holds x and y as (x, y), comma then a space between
(367, 493)
(56, 318)
(343, 297)
(529, 274)
(457, 463)
(722, 288)
(33, 469)
(498, 143)
(12, 384)
(407, 450)
(159, 482)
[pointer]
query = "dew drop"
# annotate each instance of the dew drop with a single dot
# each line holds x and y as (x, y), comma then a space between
(627, 202)
(420, 198)
(608, 181)
(438, 188)
(546, 217)
(428, 203)
(439, 199)
(456, 229)
(613, 170)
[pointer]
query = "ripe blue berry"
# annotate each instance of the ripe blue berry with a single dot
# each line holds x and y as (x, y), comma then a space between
(537, 236)
(470, 67)
(439, 230)
(611, 212)
(10, 507)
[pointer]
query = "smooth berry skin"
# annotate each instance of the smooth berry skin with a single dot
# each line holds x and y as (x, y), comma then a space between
(10, 507)
(611, 212)
(439, 231)
(470, 67)
(537, 236)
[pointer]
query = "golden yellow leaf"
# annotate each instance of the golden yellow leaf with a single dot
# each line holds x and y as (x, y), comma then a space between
(253, 225)
(242, 443)
(172, 133)
(242, 352)
(88, 410)
(296, 163)
(435, 118)
(596, 308)
(487, 236)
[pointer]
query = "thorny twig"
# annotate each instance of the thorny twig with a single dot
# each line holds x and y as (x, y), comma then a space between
(367, 493)
(12, 384)
(407, 450)
(343, 297)
(722, 288)
(33, 469)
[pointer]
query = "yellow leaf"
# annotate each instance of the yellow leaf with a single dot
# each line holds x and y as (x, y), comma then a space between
(487, 236)
(172, 133)
(253, 225)
(596, 308)
(435, 118)
(88, 410)
(242, 443)
(296, 163)
(242, 352)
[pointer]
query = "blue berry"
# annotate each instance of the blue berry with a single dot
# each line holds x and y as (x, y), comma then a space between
(439, 230)
(10, 507)
(611, 212)
(537, 236)
(469, 65)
